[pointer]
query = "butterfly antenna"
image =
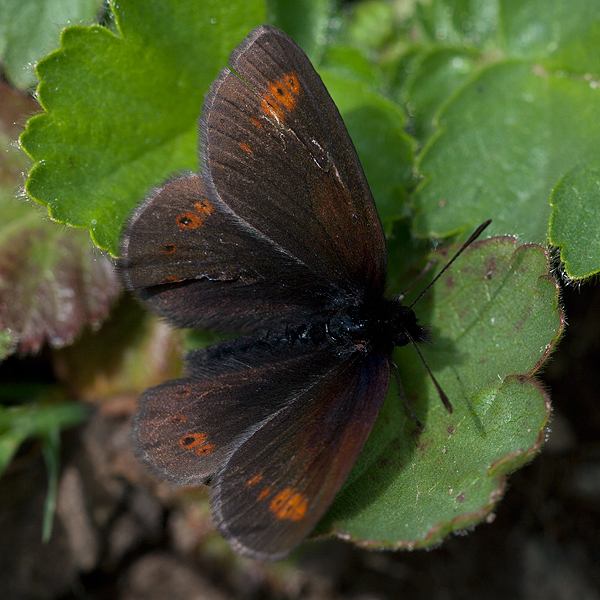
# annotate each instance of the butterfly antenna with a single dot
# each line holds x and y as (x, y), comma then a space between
(473, 237)
(443, 397)
(409, 408)
(438, 387)
(416, 280)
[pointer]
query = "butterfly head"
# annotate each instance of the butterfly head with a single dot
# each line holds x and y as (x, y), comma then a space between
(406, 328)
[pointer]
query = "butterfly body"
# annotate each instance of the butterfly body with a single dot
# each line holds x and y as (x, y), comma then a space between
(277, 240)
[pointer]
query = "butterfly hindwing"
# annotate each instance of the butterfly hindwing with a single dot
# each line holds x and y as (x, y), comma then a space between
(281, 479)
(185, 428)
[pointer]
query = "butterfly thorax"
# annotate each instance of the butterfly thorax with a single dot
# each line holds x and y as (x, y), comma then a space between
(381, 323)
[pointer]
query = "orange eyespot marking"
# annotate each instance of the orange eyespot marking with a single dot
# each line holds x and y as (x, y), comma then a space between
(264, 493)
(292, 82)
(203, 207)
(197, 443)
(256, 122)
(189, 220)
(246, 148)
(171, 279)
(205, 449)
(178, 419)
(289, 504)
(254, 480)
(280, 97)
(183, 392)
(169, 248)
(191, 440)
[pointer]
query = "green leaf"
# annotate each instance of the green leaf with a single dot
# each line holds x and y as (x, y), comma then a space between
(439, 73)
(29, 30)
(306, 21)
(51, 449)
(575, 220)
(52, 283)
(511, 128)
(495, 318)
(460, 22)
(94, 165)
(18, 423)
(505, 139)
(43, 416)
(350, 63)
(372, 23)
(564, 35)
(376, 126)
(137, 95)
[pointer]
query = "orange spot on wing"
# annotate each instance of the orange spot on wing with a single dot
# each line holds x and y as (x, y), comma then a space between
(292, 82)
(205, 449)
(178, 419)
(254, 480)
(264, 493)
(190, 440)
(197, 443)
(171, 279)
(169, 248)
(204, 207)
(192, 220)
(245, 148)
(189, 220)
(256, 122)
(289, 504)
(281, 96)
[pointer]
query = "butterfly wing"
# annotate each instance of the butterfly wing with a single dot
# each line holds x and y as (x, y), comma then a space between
(276, 152)
(280, 480)
(185, 428)
(198, 266)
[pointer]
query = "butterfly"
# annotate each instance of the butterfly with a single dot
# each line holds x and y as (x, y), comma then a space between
(278, 241)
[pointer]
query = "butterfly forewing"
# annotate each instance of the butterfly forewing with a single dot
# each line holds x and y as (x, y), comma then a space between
(276, 152)
(282, 478)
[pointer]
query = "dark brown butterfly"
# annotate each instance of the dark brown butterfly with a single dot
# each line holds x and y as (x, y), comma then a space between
(277, 240)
